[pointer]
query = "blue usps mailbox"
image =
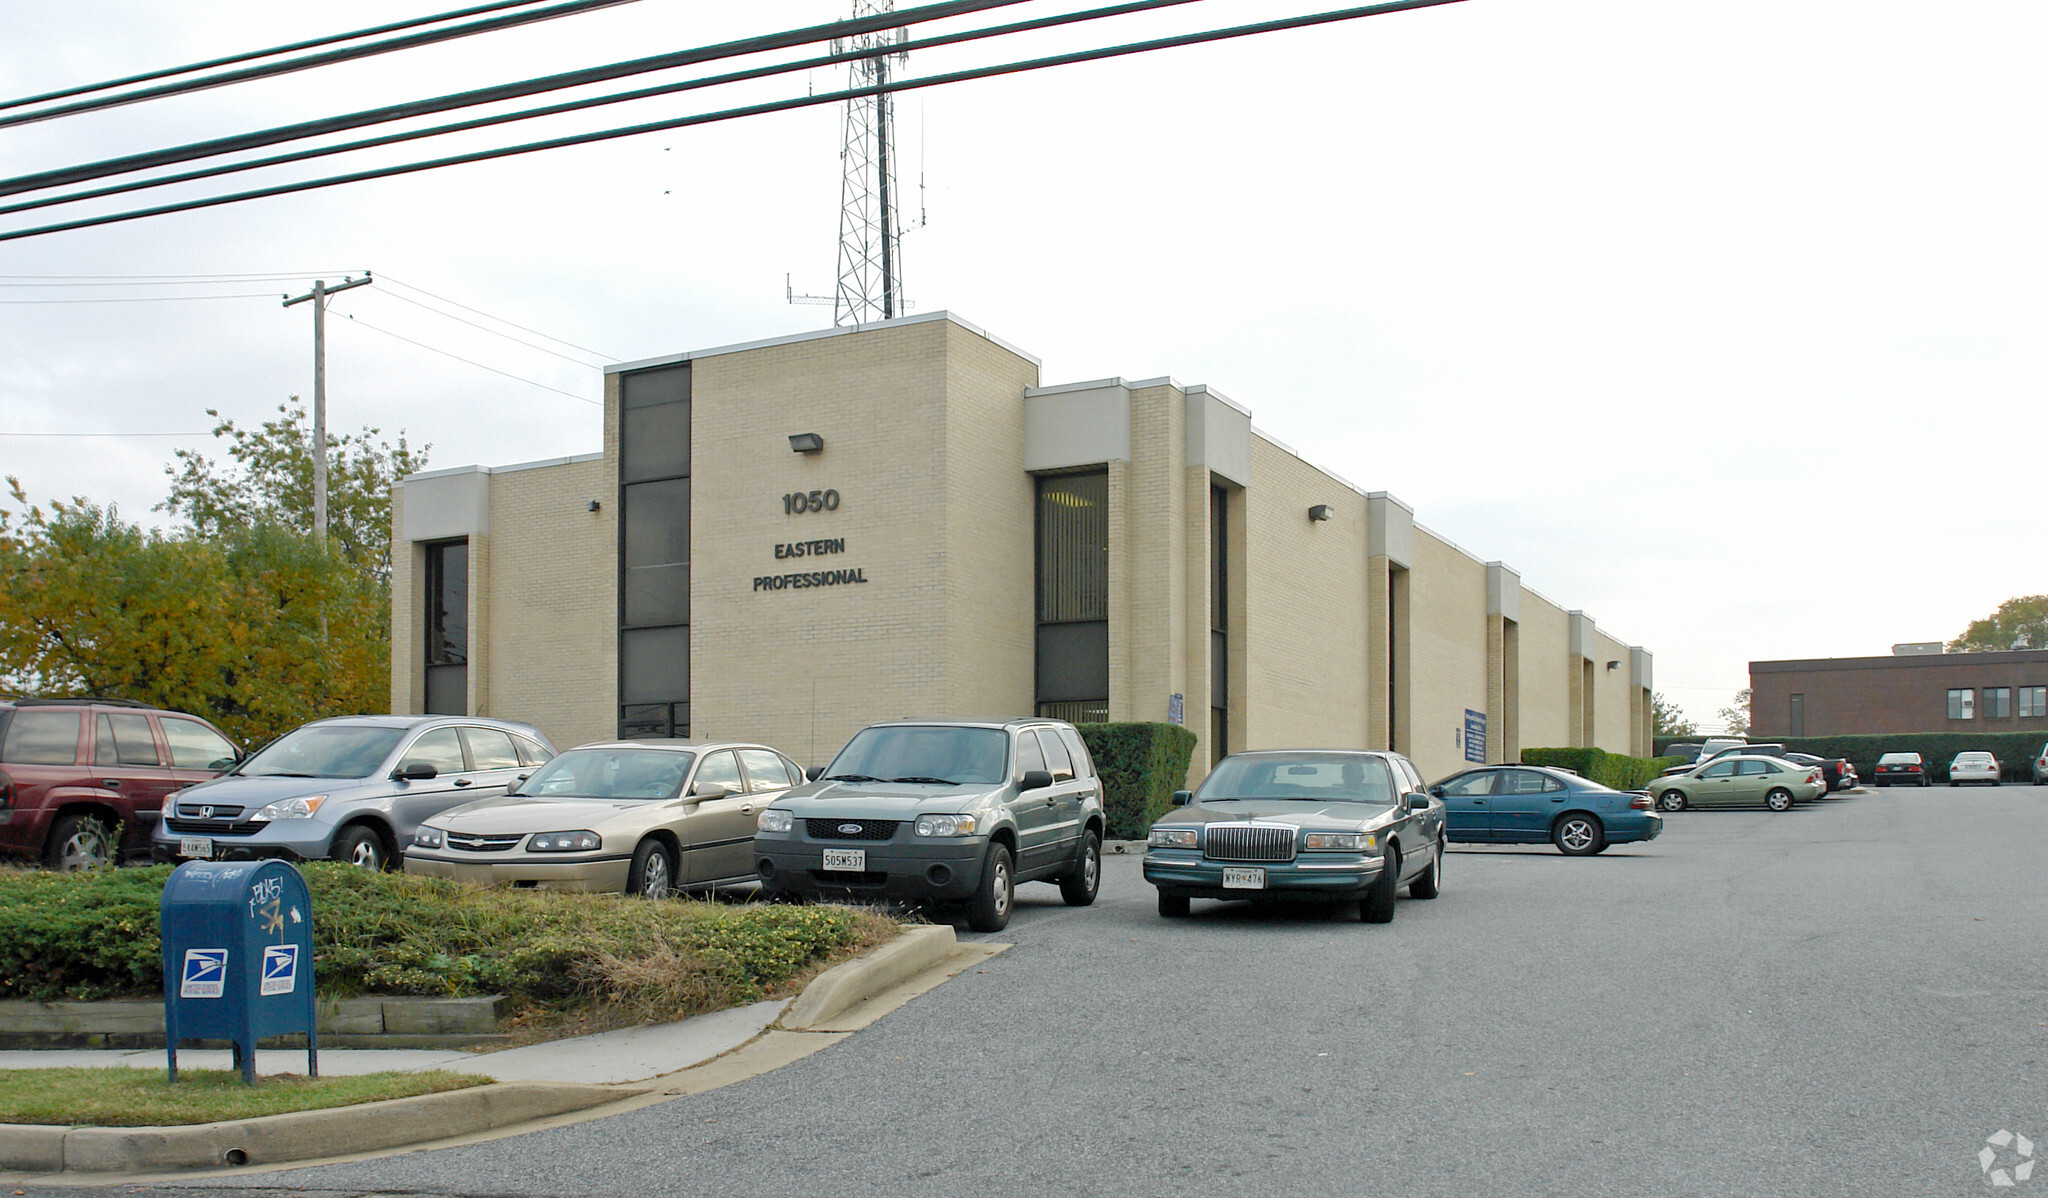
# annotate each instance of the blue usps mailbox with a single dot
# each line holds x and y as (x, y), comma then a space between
(238, 958)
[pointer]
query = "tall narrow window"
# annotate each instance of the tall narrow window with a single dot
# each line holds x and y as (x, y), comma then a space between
(1073, 596)
(1798, 715)
(654, 552)
(1219, 623)
(447, 606)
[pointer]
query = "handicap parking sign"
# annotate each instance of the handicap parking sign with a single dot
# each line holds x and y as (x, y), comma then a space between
(280, 969)
(206, 971)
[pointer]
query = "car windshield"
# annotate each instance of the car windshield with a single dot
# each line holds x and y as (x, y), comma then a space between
(324, 751)
(924, 754)
(609, 774)
(1309, 777)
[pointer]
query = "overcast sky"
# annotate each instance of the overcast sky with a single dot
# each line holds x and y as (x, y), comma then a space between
(1722, 322)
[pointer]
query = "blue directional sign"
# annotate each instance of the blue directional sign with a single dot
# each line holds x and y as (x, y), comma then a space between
(1475, 735)
(206, 973)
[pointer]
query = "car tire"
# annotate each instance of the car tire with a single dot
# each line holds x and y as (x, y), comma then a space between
(361, 847)
(653, 872)
(1779, 799)
(1671, 800)
(1079, 888)
(80, 841)
(1378, 904)
(1172, 906)
(1429, 883)
(1578, 835)
(995, 894)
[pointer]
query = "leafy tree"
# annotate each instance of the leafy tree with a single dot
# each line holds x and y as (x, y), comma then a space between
(2020, 623)
(1667, 720)
(1737, 714)
(258, 627)
(270, 480)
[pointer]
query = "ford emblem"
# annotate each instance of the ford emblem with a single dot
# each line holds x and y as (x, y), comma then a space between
(849, 829)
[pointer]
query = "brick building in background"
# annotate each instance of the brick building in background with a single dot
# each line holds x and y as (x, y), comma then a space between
(1913, 692)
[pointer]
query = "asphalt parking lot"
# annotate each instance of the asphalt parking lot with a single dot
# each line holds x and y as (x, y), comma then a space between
(1843, 999)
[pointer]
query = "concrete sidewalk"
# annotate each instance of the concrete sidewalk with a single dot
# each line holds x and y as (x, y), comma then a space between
(585, 1076)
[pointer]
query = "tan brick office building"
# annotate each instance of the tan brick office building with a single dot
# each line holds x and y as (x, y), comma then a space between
(787, 539)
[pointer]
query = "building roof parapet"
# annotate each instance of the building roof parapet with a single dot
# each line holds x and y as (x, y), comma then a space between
(817, 335)
(533, 465)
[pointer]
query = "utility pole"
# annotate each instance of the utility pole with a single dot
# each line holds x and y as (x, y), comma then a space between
(319, 296)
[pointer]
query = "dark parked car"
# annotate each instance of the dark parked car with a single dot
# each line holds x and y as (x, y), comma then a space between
(941, 812)
(1529, 804)
(1901, 769)
(1838, 772)
(1317, 825)
(73, 771)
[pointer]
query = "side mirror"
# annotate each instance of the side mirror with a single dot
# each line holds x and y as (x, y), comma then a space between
(417, 771)
(813, 773)
(221, 763)
(1181, 797)
(1035, 780)
(709, 790)
(1418, 801)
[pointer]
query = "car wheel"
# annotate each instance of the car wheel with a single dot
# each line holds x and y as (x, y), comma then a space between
(1378, 904)
(989, 909)
(1172, 906)
(653, 872)
(361, 847)
(80, 842)
(1429, 883)
(1779, 799)
(1672, 800)
(1578, 836)
(1079, 887)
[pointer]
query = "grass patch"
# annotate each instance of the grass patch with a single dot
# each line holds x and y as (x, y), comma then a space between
(122, 1097)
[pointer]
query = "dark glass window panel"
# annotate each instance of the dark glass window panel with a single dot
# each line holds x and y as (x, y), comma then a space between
(657, 523)
(1219, 561)
(448, 603)
(42, 738)
(643, 721)
(1073, 547)
(1087, 711)
(1073, 661)
(194, 746)
(1219, 738)
(1799, 715)
(1219, 669)
(447, 690)
(440, 748)
(125, 740)
(1056, 755)
(491, 748)
(657, 595)
(654, 443)
(1029, 755)
(654, 665)
(650, 388)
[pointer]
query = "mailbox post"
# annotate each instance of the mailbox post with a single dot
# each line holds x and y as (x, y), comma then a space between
(238, 958)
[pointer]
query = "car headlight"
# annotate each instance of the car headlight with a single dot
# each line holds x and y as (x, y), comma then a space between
(945, 825)
(288, 809)
(1171, 838)
(774, 819)
(564, 842)
(1343, 842)
(427, 838)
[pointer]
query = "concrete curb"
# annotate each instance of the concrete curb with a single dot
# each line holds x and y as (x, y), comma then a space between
(842, 986)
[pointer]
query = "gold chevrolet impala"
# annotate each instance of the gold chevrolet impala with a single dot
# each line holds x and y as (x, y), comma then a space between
(640, 817)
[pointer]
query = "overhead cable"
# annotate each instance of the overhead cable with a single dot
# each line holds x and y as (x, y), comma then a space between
(403, 285)
(490, 95)
(479, 365)
(803, 64)
(894, 85)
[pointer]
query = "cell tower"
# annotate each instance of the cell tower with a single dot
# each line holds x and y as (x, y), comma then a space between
(870, 250)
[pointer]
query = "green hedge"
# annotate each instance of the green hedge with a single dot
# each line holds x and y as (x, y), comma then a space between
(1141, 765)
(1617, 770)
(2014, 750)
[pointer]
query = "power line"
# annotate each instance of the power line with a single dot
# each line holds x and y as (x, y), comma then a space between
(487, 95)
(144, 299)
(572, 8)
(501, 320)
(479, 365)
(267, 275)
(1182, 40)
(8, 434)
(805, 64)
(493, 332)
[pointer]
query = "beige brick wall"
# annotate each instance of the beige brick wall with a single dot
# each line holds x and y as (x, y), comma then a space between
(1547, 716)
(1447, 636)
(1156, 553)
(1615, 706)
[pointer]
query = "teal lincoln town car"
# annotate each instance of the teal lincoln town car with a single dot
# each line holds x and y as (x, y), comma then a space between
(1331, 826)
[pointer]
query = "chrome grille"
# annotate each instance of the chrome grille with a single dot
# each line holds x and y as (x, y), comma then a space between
(213, 827)
(465, 843)
(863, 829)
(1248, 842)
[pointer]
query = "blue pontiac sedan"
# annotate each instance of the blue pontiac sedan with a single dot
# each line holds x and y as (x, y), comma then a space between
(1529, 804)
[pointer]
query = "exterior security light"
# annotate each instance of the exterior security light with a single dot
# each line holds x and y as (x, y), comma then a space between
(595, 505)
(1320, 511)
(1613, 665)
(806, 443)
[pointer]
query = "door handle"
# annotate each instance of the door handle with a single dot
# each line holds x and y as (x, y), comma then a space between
(463, 781)
(111, 783)
(1557, 800)
(1052, 801)
(747, 810)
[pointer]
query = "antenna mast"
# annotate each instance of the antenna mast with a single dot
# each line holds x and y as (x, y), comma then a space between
(870, 251)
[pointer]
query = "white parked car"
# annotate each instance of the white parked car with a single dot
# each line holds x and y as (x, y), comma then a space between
(1973, 767)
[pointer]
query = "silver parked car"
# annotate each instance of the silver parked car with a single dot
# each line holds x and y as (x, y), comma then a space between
(352, 788)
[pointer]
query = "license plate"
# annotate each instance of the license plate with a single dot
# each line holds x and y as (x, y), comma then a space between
(1244, 879)
(855, 860)
(196, 846)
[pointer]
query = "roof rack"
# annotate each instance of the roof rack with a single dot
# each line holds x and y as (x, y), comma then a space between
(78, 702)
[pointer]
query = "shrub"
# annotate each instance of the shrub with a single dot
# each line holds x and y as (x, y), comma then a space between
(1617, 770)
(1141, 765)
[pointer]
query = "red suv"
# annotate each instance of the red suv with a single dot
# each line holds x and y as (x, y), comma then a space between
(74, 771)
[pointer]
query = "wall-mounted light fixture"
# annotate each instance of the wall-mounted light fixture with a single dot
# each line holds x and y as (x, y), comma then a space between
(1321, 511)
(806, 443)
(1613, 665)
(595, 505)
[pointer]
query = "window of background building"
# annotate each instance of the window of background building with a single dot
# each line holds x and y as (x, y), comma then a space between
(447, 604)
(1798, 715)
(1219, 623)
(1072, 567)
(2033, 701)
(1997, 702)
(1962, 704)
(654, 552)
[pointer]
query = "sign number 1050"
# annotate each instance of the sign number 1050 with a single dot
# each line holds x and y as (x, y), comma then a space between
(796, 503)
